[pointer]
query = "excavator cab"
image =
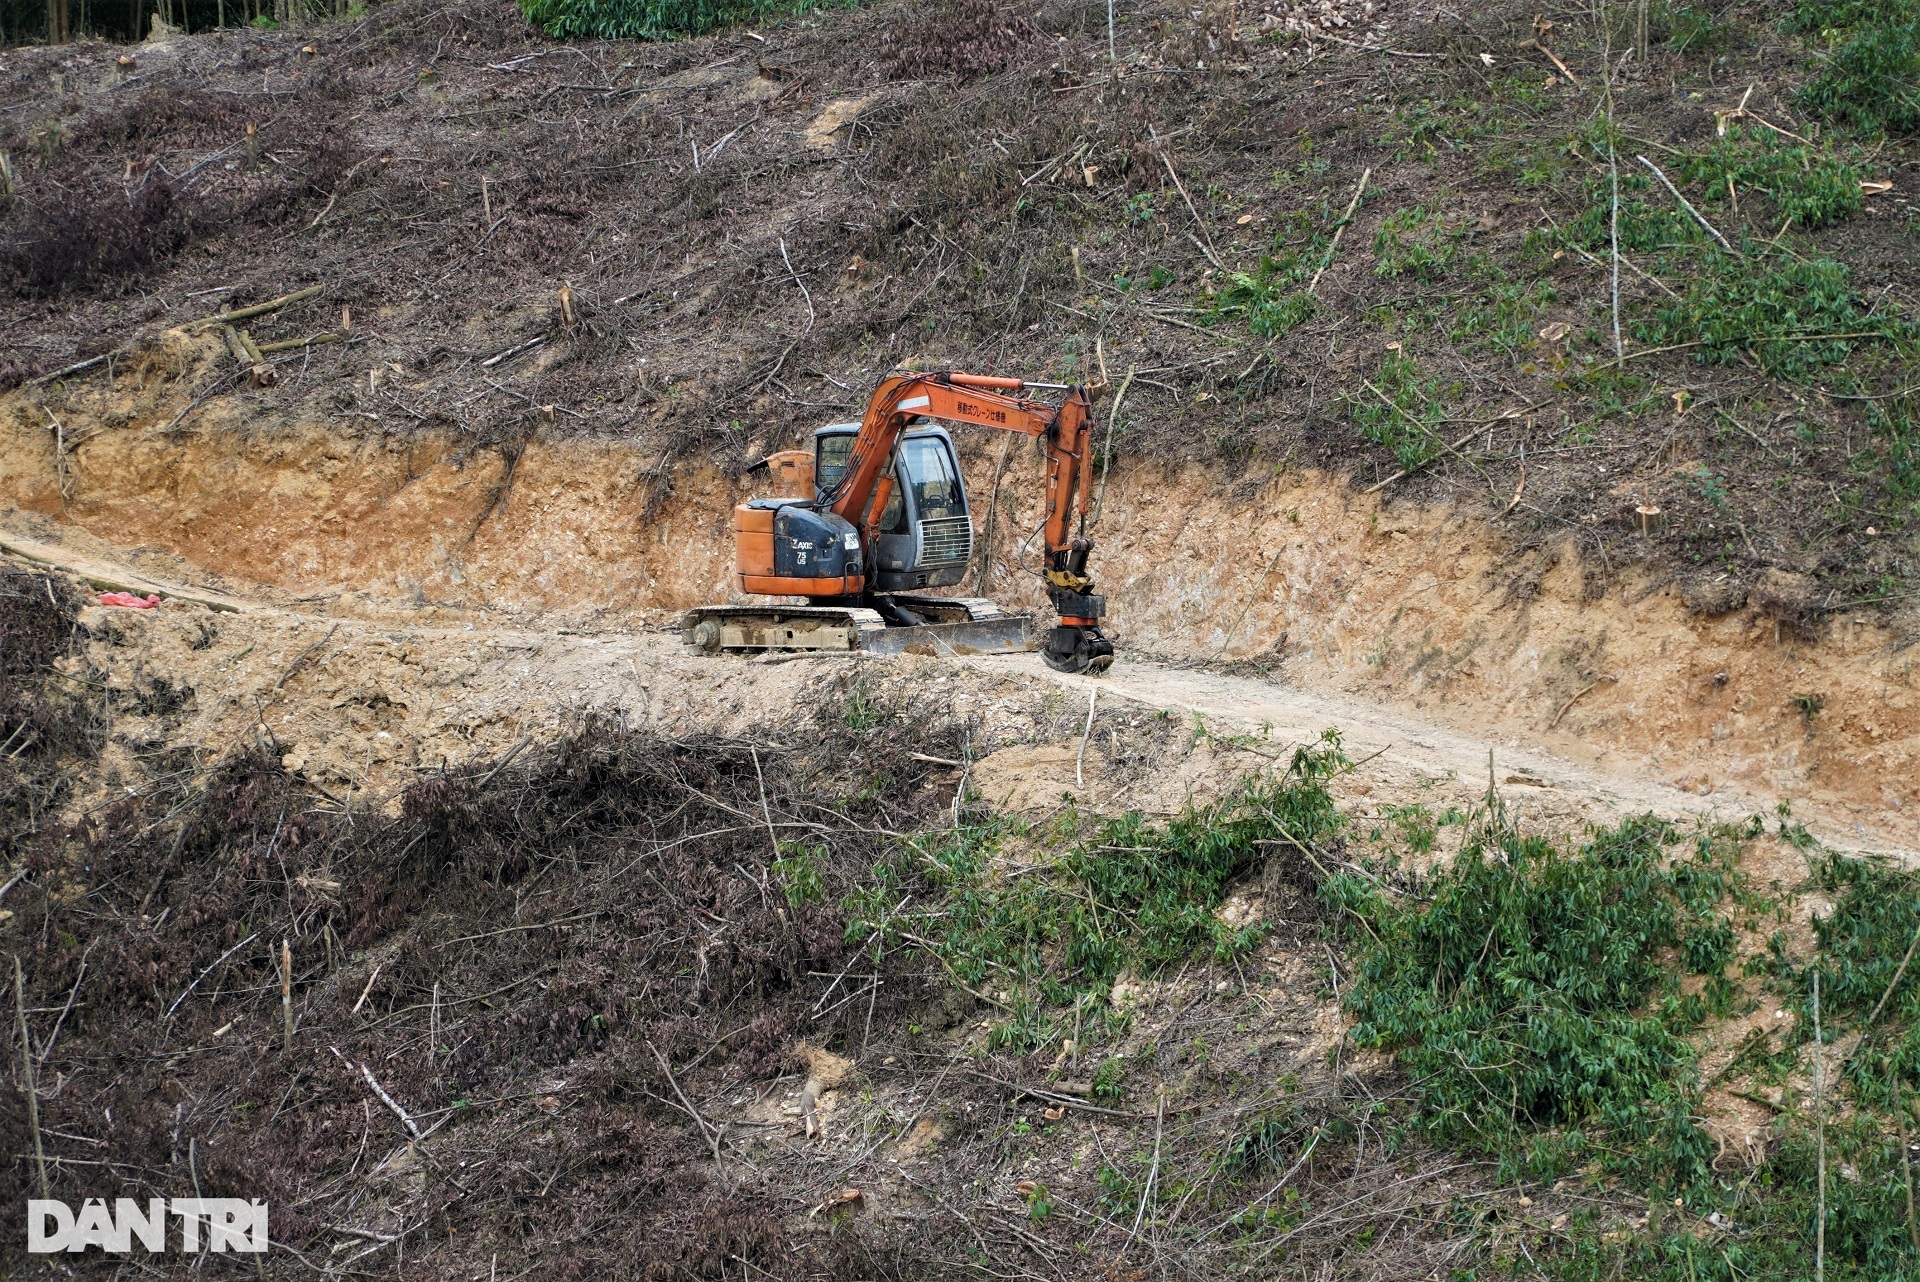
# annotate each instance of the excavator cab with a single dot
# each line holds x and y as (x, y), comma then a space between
(924, 535)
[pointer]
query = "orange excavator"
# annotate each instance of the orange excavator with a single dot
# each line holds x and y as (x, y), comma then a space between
(880, 515)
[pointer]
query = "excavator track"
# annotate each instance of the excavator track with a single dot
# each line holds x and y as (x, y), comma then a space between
(954, 626)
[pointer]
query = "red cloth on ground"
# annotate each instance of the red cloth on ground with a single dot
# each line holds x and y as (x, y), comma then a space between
(129, 600)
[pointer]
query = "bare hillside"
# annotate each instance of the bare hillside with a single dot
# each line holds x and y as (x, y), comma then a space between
(749, 228)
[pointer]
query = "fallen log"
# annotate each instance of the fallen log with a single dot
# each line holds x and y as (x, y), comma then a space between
(293, 344)
(261, 309)
(78, 367)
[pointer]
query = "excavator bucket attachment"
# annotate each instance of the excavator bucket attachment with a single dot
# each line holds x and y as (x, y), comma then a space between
(1077, 650)
(952, 626)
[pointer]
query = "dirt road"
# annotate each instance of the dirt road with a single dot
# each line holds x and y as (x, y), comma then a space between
(1431, 748)
(394, 686)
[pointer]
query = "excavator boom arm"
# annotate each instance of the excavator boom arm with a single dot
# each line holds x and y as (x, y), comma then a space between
(986, 401)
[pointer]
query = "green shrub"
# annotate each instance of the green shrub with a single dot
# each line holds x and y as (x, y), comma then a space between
(1872, 80)
(1531, 999)
(1108, 1077)
(1126, 895)
(1406, 413)
(1794, 318)
(1264, 1144)
(1414, 241)
(1271, 297)
(1267, 298)
(1526, 995)
(1840, 15)
(1875, 913)
(798, 870)
(1862, 943)
(653, 19)
(1769, 1220)
(1896, 425)
(1504, 317)
(1649, 222)
(1695, 28)
(1808, 185)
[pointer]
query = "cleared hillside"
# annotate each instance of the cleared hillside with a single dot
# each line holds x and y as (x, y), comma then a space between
(404, 870)
(753, 226)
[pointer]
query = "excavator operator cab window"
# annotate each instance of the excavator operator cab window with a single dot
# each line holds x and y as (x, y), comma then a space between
(924, 535)
(893, 517)
(927, 462)
(923, 463)
(832, 447)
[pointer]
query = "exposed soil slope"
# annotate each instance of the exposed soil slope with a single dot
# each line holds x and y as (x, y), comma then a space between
(1305, 585)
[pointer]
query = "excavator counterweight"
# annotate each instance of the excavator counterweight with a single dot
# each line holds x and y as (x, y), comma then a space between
(878, 514)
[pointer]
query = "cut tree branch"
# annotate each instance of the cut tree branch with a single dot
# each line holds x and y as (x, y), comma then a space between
(261, 309)
(706, 1130)
(1687, 205)
(1346, 218)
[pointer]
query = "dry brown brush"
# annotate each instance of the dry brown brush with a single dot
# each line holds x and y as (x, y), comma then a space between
(534, 960)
